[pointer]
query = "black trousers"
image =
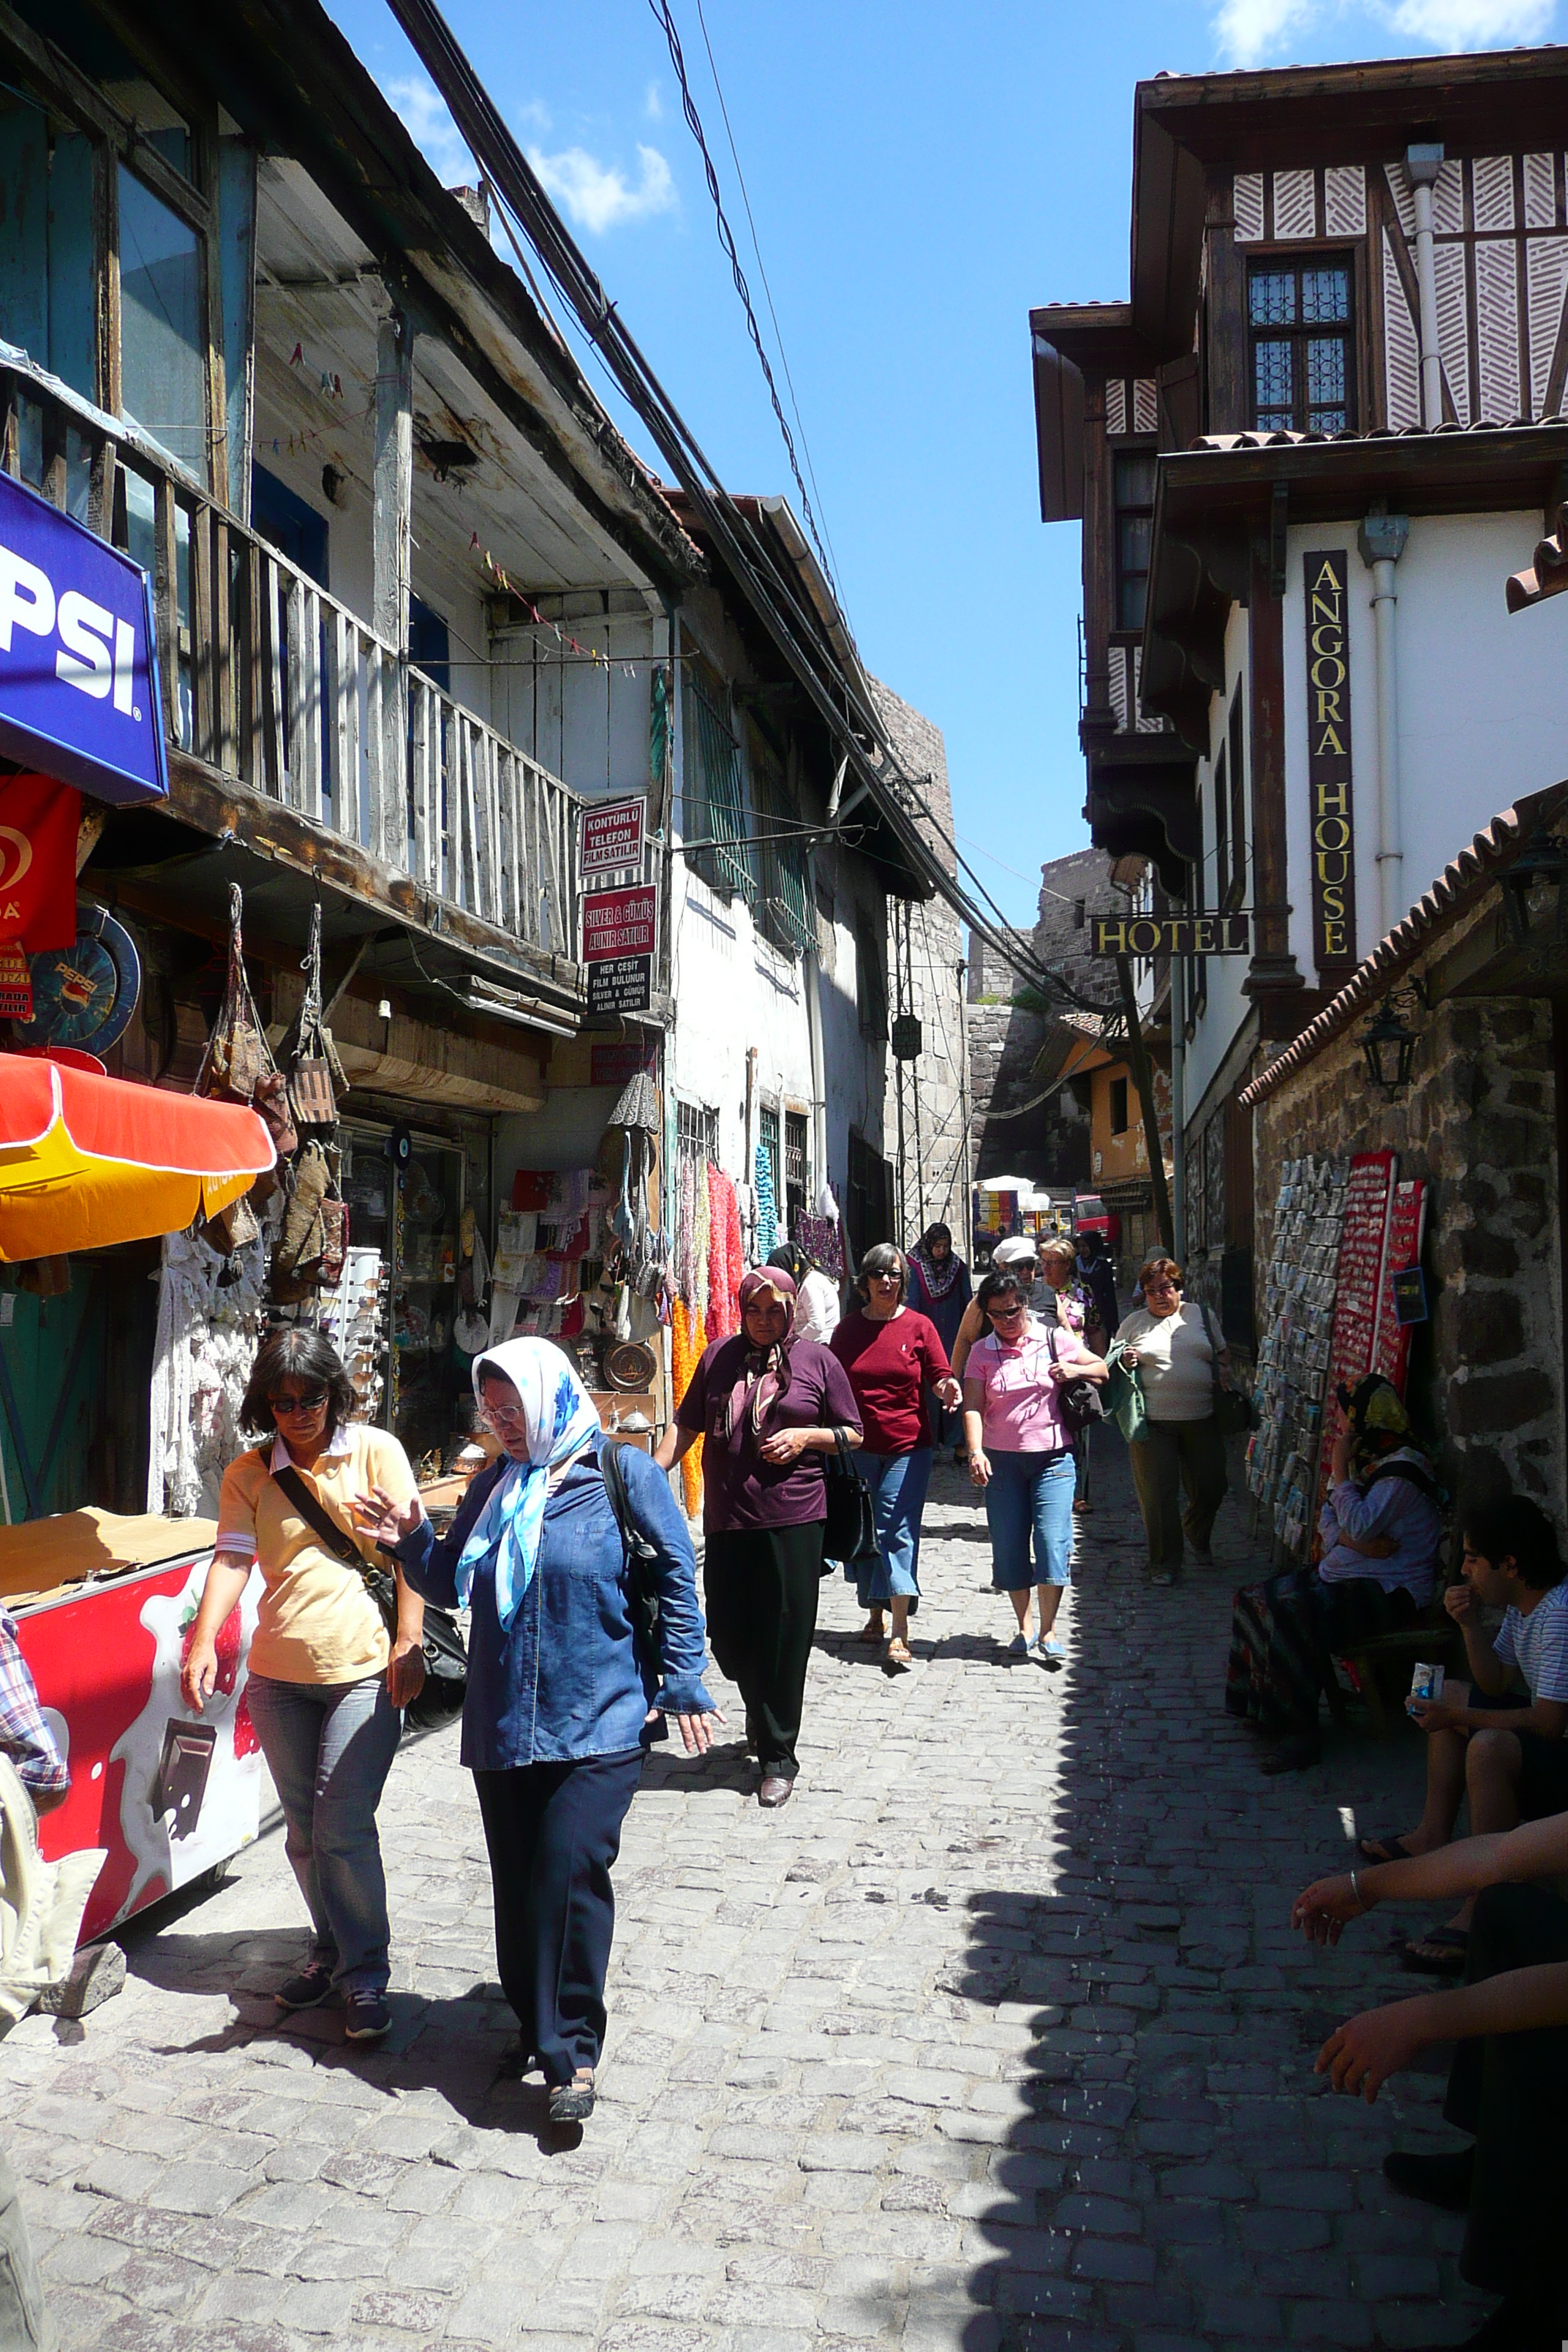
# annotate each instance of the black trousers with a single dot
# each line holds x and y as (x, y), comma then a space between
(760, 1588)
(554, 1831)
(1512, 2091)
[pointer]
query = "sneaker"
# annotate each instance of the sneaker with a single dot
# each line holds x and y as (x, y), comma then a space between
(1051, 1650)
(1018, 1647)
(308, 1989)
(368, 2015)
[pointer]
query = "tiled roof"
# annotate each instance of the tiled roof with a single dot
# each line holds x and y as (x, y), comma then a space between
(1283, 440)
(1461, 883)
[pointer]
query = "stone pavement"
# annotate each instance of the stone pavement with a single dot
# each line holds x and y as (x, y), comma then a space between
(996, 2036)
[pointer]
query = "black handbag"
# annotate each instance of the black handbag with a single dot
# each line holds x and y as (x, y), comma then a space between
(1078, 1401)
(850, 1531)
(445, 1659)
(640, 1554)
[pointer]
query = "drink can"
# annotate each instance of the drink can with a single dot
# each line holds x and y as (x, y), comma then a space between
(1427, 1683)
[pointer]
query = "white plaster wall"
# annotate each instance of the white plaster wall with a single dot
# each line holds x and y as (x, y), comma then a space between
(734, 991)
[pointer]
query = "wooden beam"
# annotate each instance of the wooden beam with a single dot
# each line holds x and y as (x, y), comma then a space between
(393, 479)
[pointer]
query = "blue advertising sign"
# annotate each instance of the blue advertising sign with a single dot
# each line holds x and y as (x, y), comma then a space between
(78, 661)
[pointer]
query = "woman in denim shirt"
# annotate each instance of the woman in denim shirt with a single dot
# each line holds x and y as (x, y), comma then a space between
(556, 1718)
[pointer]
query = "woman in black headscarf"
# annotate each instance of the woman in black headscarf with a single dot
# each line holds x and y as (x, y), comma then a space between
(939, 1289)
(766, 1406)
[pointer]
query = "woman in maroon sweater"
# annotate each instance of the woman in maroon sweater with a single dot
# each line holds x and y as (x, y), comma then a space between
(892, 1356)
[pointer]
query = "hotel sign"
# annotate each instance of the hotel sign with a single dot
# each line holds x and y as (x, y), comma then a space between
(1172, 935)
(1326, 576)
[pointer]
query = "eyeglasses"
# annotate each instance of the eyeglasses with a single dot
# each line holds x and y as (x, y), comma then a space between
(283, 1408)
(1152, 1288)
(503, 1416)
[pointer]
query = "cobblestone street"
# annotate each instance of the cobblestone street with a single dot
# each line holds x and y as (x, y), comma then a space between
(997, 2035)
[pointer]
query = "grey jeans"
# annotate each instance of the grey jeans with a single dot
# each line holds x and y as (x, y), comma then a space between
(24, 2325)
(329, 1747)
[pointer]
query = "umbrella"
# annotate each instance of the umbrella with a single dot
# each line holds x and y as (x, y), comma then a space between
(85, 1160)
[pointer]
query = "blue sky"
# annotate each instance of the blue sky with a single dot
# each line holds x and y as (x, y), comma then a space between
(919, 175)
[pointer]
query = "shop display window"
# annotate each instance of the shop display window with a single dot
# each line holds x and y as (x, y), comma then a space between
(410, 1208)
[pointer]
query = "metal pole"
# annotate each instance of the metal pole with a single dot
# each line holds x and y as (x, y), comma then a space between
(915, 1070)
(965, 1195)
(1179, 1108)
(1137, 1055)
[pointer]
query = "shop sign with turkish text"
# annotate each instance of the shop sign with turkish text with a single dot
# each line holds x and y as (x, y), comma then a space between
(78, 668)
(1326, 576)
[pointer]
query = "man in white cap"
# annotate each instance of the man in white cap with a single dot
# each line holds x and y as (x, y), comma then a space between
(1020, 1254)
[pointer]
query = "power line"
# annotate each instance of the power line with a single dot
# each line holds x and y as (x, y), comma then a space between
(762, 270)
(661, 11)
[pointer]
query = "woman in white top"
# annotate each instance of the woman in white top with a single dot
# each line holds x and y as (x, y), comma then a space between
(1176, 1353)
(817, 1308)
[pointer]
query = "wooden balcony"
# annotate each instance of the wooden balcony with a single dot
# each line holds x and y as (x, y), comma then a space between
(269, 681)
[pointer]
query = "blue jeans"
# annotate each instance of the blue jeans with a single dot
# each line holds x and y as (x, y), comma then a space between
(897, 1483)
(1030, 1493)
(329, 1747)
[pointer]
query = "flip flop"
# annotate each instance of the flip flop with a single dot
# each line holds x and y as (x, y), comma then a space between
(1385, 1849)
(1453, 1943)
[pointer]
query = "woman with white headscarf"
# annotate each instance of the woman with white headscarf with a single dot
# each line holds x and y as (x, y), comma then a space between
(560, 1689)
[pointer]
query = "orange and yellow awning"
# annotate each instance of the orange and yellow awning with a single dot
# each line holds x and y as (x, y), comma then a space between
(85, 1160)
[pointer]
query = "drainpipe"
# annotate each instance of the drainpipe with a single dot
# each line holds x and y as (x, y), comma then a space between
(1423, 163)
(1381, 540)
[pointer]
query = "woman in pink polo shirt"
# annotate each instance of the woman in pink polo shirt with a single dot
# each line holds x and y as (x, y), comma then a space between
(1020, 1453)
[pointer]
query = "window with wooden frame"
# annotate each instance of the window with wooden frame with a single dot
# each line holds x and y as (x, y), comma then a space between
(126, 253)
(1133, 489)
(697, 1132)
(1299, 315)
(783, 904)
(715, 804)
(1117, 1090)
(796, 1175)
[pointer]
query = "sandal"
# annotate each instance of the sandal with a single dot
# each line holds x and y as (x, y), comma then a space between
(1441, 1952)
(1386, 1849)
(873, 1629)
(900, 1655)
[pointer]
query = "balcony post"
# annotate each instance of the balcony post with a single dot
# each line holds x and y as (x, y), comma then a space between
(393, 485)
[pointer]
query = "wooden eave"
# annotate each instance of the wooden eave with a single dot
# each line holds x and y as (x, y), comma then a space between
(290, 80)
(1210, 503)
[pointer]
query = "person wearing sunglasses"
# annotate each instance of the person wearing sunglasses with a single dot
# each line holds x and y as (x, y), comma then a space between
(1020, 1453)
(327, 1681)
(1180, 1358)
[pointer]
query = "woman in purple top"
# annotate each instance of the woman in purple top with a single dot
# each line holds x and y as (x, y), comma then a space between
(766, 1407)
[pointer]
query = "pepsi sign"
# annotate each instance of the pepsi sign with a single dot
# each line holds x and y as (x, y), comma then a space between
(78, 661)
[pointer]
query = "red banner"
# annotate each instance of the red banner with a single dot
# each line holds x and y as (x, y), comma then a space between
(39, 824)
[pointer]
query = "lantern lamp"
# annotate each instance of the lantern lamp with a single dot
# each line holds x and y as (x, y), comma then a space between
(1541, 864)
(1389, 1049)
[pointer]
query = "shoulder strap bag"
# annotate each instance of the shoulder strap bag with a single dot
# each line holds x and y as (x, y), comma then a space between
(445, 1659)
(1234, 1410)
(850, 1532)
(1122, 1396)
(1079, 1404)
(638, 1552)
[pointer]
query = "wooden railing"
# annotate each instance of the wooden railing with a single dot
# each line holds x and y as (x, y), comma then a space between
(269, 678)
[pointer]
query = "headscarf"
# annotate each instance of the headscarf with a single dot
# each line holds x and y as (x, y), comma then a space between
(765, 1375)
(789, 1259)
(562, 1420)
(937, 1276)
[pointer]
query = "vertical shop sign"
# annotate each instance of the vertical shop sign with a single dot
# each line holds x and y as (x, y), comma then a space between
(1326, 576)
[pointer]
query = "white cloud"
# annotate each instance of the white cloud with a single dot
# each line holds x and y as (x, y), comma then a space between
(1256, 32)
(1473, 23)
(1251, 30)
(432, 129)
(653, 104)
(598, 196)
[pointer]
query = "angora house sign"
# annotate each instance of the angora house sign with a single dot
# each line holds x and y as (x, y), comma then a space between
(1329, 759)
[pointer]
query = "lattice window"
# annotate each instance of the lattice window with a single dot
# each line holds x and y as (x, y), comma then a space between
(1134, 479)
(1301, 348)
(715, 810)
(784, 910)
(797, 1181)
(697, 1131)
(768, 1137)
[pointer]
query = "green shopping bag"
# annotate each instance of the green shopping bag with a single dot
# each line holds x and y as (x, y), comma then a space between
(1124, 1395)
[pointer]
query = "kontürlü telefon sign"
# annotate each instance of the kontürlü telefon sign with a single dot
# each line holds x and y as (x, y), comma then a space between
(78, 664)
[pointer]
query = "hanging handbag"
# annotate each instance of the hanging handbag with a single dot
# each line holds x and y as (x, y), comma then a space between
(1234, 1410)
(850, 1532)
(1079, 1404)
(446, 1658)
(237, 1056)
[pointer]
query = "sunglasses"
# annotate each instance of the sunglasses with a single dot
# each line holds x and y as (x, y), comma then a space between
(283, 1407)
(1006, 1314)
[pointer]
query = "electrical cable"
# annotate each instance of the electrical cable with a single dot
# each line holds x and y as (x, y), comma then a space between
(775, 595)
(763, 272)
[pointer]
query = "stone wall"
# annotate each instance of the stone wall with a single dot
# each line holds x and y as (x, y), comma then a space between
(1478, 1122)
